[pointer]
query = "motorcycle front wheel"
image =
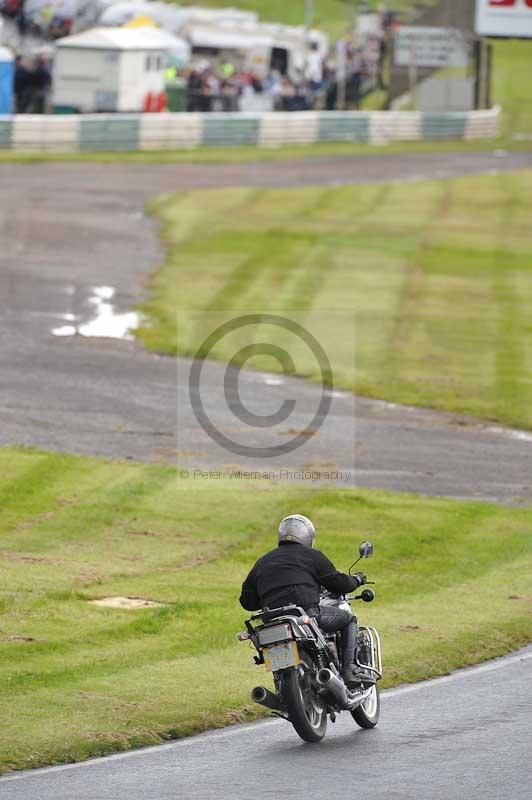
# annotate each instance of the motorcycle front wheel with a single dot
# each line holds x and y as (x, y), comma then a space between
(305, 708)
(367, 713)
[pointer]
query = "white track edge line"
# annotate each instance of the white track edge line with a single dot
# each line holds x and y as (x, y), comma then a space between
(490, 666)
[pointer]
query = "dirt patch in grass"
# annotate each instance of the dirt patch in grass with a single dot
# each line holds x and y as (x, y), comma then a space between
(126, 602)
(15, 637)
(158, 534)
(28, 559)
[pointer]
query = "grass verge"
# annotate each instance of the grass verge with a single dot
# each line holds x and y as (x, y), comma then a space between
(80, 680)
(248, 154)
(439, 275)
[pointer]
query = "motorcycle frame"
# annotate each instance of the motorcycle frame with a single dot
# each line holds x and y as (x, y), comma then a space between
(301, 626)
(305, 629)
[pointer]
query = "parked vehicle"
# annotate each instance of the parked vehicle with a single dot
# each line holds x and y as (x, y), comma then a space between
(258, 48)
(305, 665)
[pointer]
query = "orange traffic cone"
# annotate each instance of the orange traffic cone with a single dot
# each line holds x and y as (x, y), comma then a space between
(148, 103)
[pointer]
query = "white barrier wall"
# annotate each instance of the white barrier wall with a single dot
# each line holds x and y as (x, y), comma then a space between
(93, 132)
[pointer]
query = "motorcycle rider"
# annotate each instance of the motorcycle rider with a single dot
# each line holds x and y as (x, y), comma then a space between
(293, 573)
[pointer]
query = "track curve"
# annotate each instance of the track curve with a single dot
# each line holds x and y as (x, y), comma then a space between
(73, 226)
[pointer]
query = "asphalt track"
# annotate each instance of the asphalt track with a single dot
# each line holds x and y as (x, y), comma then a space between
(67, 228)
(466, 735)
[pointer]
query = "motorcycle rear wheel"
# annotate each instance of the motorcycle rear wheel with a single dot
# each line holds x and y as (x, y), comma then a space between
(306, 710)
(367, 714)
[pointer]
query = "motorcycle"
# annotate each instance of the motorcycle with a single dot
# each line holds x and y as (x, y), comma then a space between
(306, 667)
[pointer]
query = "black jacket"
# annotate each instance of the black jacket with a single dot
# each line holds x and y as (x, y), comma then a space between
(292, 573)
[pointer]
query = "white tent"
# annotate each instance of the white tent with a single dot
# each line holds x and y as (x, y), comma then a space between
(178, 49)
(121, 13)
(226, 38)
(166, 16)
(108, 69)
(171, 18)
(216, 16)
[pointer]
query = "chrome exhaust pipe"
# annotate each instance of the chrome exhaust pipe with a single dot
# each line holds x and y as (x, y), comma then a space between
(333, 686)
(266, 698)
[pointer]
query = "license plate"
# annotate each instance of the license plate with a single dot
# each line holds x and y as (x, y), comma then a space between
(281, 656)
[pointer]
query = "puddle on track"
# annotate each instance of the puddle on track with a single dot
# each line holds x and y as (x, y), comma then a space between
(105, 320)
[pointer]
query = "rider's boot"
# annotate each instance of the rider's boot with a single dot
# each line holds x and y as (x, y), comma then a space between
(349, 641)
(355, 676)
(352, 674)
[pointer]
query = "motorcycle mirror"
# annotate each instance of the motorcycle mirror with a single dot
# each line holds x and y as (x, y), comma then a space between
(365, 549)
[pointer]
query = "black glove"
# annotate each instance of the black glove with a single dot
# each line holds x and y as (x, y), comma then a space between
(360, 578)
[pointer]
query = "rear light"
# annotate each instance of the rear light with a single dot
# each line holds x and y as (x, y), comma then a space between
(274, 634)
(243, 636)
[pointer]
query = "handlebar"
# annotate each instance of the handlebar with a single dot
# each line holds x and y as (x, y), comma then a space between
(333, 596)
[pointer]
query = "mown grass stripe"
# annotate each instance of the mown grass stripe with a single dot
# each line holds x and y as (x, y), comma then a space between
(414, 263)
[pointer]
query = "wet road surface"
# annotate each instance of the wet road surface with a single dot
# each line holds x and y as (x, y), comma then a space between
(465, 735)
(83, 240)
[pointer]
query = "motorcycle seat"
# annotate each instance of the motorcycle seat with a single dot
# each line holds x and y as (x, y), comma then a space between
(269, 614)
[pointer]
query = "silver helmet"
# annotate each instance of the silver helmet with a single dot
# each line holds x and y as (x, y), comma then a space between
(297, 528)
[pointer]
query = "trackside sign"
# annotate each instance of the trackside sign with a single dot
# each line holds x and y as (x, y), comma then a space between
(504, 18)
(430, 47)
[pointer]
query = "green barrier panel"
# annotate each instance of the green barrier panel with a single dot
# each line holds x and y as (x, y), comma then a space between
(221, 130)
(109, 134)
(443, 126)
(6, 127)
(339, 127)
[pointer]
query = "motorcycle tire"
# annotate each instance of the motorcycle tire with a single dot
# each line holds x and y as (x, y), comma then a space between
(305, 709)
(367, 714)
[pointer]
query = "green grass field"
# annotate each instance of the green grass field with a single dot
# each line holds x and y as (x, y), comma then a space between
(452, 582)
(439, 275)
(512, 89)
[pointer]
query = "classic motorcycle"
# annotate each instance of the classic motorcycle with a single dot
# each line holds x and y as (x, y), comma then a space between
(305, 663)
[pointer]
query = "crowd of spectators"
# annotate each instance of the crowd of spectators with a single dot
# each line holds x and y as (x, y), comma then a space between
(211, 89)
(221, 88)
(33, 80)
(364, 67)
